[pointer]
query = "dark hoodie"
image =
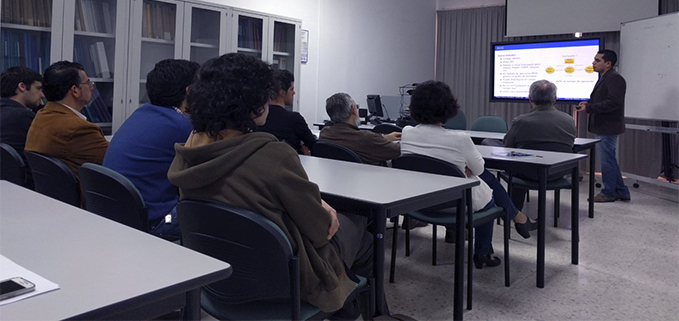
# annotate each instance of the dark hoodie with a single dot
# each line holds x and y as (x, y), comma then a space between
(257, 172)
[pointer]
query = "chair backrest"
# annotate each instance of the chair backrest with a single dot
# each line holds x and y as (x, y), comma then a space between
(490, 124)
(264, 266)
(53, 178)
(386, 128)
(426, 164)
(457, 122)
(547, 146)
(12, 167)
(111, 195)
(330, 150)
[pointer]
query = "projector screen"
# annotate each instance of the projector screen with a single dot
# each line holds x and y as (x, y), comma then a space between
(548, 17)
(566, 63)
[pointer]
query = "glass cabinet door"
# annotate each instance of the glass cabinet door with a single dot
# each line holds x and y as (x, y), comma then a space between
(155, 35)
(25, 34)
(250, 33)
(284, 46)
(94, 46)
(204, 40)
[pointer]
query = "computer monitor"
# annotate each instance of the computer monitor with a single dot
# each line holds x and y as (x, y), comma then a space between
(375, 106)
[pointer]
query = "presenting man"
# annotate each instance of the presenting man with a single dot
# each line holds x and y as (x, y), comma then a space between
(543, 124)
(60, 130)
(606, 109)
(143, 148)
(287, 126)
(372, 148)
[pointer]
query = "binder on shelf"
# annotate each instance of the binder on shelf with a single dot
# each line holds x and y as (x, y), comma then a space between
(107, 17)
(105, 71)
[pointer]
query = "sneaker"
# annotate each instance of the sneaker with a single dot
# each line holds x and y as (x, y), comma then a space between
(601, 198)
(622, 197)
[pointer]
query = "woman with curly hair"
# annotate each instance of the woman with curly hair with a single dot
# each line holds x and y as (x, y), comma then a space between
(432, 104)
(226, 160)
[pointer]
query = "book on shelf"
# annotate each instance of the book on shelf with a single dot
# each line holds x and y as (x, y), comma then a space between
(105, 71)
(107, 17)
(97, 112)
(158, 21)
(24, 48)
(94, 61)
(36, 13)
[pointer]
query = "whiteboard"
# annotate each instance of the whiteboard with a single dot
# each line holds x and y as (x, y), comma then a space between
(649, 56)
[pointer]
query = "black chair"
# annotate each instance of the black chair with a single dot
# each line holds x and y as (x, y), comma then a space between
(556, 182)
(265, 283)
(330, 150)
(12, 167)
(53, 178)
(111, 195)
(445, 215)
(386, 128)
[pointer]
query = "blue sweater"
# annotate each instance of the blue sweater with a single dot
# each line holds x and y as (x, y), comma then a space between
(143, 149)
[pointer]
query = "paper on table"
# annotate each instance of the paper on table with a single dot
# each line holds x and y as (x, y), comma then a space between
(9, 269)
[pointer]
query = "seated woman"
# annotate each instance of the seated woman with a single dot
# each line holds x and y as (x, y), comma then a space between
(225, 160)
(432, 104)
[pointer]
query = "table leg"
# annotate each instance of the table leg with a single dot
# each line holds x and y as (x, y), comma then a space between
(542, 195)
(592, 169)
(575, 215)
(458, 291)
(378, 252)
(192, 309)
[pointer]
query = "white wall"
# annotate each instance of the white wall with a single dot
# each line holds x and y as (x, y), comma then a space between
(357, 46)
(373, 47)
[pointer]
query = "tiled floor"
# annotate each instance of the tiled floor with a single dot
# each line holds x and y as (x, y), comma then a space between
(629, 267)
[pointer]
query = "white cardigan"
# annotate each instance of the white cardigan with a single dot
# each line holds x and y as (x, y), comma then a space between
(456, 148)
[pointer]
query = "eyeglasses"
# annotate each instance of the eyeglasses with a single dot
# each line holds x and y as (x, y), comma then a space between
(89, 82)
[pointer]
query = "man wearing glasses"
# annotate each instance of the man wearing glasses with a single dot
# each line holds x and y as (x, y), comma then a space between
(60, 130)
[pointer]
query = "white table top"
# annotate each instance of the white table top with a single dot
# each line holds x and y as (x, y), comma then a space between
(96, 262)
(543, 158)
(375, 184)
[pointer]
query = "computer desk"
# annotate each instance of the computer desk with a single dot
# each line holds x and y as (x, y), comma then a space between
(543, 163)
(382, 193)
(105, 270)
(581, 144)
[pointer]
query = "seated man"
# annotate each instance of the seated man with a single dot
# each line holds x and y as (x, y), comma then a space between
(287, 126)
(372, 148)
(60, 130)
(226, 160)
(543, 124)
(21, 92)
(143, 148)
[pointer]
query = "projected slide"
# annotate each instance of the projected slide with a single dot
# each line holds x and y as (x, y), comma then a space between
(568, 64)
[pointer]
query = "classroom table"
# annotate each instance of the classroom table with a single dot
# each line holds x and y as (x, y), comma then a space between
(105, 270)
(580, 144)
(382, 193)
(543, 163)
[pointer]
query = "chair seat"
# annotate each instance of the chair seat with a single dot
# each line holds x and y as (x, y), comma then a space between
(446, 217)
(260, 310)
(560, 183)
(257, 310)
